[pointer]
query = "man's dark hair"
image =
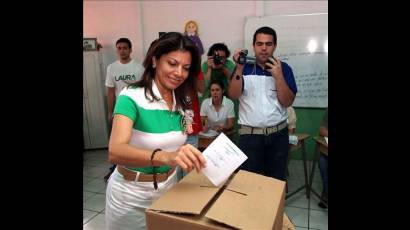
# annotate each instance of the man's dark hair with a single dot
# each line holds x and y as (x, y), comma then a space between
(167, 43)
(124, 40)
(265, 30)
(218, 46)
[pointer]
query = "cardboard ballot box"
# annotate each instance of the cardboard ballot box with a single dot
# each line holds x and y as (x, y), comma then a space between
(287, 224)
(246, 201)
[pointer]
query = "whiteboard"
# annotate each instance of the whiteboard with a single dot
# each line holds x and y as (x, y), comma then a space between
(296, 39)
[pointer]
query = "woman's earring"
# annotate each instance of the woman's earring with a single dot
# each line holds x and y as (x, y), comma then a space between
(153, 66)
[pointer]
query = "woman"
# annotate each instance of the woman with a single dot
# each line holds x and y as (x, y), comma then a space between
(148, 133)
(217, 112)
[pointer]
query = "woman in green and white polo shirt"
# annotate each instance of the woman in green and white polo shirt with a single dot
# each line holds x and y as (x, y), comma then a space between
(149, 132)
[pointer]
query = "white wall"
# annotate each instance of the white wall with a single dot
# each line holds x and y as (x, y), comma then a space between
(110, 20)
(219, 21)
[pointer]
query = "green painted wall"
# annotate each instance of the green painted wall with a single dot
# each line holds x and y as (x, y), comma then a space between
(308, 121)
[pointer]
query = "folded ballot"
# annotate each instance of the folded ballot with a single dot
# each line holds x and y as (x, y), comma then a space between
(222, 157)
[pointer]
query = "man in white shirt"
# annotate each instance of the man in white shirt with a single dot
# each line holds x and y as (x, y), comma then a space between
(119, 74)
(264, 89)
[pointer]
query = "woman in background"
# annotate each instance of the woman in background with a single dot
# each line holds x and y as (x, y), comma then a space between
(217, 112)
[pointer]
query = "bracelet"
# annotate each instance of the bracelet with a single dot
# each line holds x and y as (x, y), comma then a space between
(154, 167)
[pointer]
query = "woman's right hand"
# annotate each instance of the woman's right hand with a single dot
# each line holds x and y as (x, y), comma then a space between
(188, 158)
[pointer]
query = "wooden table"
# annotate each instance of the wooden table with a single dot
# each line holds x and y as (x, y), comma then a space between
(321, 148)
(204, 141)
(300, 145)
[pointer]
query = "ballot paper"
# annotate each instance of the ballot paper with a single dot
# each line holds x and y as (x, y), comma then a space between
(326, 140)
(222, 158)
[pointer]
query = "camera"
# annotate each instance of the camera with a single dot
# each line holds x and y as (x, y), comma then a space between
(242, 57)
(217, 59)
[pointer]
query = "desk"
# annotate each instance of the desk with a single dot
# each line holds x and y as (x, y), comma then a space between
(321, 148)
(301, 144)
(204, 141)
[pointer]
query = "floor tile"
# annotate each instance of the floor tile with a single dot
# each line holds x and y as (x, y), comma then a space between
(95, 172)
(92, 156)
(299, 216)
(314, 201)
(87, 195)
(96, 161)
(86, 179)
(297, 200)
(293, 184)
(105, 164)
(96, 223)
(95, 185)
(87, 215)
(102, 191)
(95, 203)
(318, 219)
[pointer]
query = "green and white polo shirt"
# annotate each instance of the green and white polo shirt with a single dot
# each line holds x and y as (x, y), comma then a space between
(154, 125)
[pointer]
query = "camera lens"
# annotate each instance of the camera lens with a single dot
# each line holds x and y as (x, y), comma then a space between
(217, 59)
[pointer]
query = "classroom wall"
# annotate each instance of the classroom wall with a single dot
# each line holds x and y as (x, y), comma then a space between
(110, 20)
(219, 21)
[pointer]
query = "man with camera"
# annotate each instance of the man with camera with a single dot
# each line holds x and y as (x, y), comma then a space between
(218, 66)
(265, 88)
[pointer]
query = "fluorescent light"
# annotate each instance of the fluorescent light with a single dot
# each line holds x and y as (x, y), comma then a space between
(312, 46)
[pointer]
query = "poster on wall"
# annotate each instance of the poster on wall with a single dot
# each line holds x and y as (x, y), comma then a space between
(90, 44)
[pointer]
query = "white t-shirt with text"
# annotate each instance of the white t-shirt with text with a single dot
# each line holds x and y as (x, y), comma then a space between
(120, 75)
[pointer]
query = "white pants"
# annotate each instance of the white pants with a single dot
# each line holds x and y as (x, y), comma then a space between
(126, 201)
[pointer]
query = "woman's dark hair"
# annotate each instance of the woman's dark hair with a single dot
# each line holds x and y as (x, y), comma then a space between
(218, 46)
(220, 83)
(169, 42)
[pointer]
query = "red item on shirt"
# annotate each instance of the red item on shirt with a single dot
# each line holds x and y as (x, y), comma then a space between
(197, 125)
